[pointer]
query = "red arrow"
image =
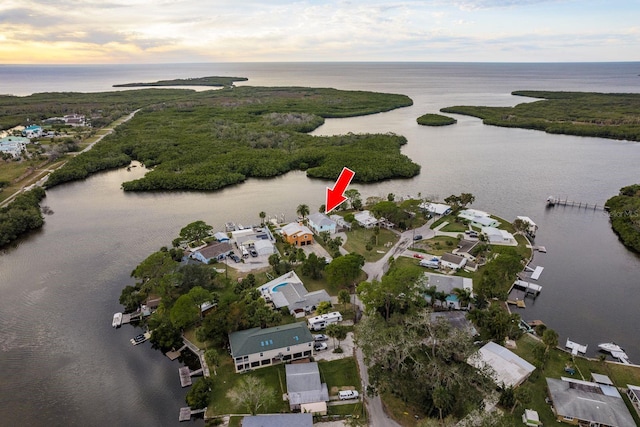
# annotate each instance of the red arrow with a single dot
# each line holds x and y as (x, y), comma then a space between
(335, 196)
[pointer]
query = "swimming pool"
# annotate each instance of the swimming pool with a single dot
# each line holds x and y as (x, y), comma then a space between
(275, 288)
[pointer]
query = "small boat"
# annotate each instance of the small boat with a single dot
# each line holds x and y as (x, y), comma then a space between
(139, 339)
(117, 320)
(610, 347)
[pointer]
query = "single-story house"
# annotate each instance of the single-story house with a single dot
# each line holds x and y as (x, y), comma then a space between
(215, 251)
(435, 208)
(341, 224)
(452, 261)
(495, 236)
(457, 319)
(278, 420)
(14, 145)
(319, 222)
(32, 131)
(221, 237)
(264, 247)
(297, 234)
(255, 348)
(478, 218)
(365, 219)
(75, 120)
(584, 402)
(446, 283)
(289, 291)
(509, 369)
(304, 388)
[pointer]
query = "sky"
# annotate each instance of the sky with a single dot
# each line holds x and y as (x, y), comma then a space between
(187, 31)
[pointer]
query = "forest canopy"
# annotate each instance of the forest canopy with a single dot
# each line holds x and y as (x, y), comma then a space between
(213, 139)
(603, 115)
(624, 212)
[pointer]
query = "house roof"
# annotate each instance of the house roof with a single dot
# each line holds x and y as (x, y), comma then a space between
(446, 283)
(304, 385)
(365, 218)
(457, 319)
(601, 379)
(587, 401)
(321, 220)
(496, 234)
(484, 220)
(261, 244)
(509, 368)
(294, 228)
(436, 208)
(256, 340)
(453, 258)
(215, 249)
(220, 236)
(289, 291)
(278, 420)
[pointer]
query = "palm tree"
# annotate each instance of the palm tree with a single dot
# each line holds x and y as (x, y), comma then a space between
(262, 216)
(303, 211)
(464, 296)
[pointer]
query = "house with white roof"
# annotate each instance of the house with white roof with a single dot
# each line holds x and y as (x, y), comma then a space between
(289, 291)
(14, 145)
(508, 369)
(435, 208)
(452, 261)
(255, 348)
(478, 218)
(32, 131)
(319, 222)
(365, 219)
(264, 247)
(496, 236)
(305, 390)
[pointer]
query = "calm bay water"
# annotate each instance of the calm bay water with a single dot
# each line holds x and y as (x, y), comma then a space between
(63, 364)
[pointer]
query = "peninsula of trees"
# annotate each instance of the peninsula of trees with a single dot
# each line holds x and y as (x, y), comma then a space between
(603, 115)
(209, 140)
(197, 81)
(624, 212)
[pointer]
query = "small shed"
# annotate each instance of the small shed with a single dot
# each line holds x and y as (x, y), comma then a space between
(531, 418)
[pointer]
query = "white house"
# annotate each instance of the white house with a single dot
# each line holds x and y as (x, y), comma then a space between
(255, 348)
(319, 222)
(478, 218)
(495, 236)
(289, 291)
(452, 261)
(13, 145)
(341, 224)
(365, 219)
(264, 247)
(33, 131)
(435, 208)
(508, 369)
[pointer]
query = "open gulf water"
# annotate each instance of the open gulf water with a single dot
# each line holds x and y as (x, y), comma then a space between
(63, 364)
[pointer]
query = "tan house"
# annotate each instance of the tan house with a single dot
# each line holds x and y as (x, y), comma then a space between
(297, 234)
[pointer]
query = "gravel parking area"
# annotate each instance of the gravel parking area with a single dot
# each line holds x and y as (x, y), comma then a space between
(347, 345)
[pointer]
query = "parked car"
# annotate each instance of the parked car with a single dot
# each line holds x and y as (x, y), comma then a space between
(320, 337)
(319, 346)
(417, 237)
(348, 394)
(418, 256)
(253, 252)
(235, 257)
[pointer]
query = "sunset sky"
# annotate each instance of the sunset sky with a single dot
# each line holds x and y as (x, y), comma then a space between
(160, 31)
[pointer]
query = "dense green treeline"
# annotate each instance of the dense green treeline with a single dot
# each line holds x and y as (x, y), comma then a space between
(604, 115)
(624, 212)
(21, 216)
(196, 81)
(102, 107)
(219, 138)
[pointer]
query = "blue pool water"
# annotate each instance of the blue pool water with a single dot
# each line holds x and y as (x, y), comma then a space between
(275, 288)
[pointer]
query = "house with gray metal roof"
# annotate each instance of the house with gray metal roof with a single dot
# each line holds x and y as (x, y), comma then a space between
(319, 222)
(255, 348)
(278, 420)
(305, 389)
(583, 402)
(507, 368)
(289, 291)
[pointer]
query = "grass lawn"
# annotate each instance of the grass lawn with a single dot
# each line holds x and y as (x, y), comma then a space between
(357, 241)
(341, 374)
(455, 227)
(355, 410)
(235, 421)
(438, 245)
(400, 411)
(220, 404)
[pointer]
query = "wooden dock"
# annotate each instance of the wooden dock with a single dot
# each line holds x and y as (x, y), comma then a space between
(553, 201)
(528, 288)
(186, 374)
(186, 413)
(575, 347)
